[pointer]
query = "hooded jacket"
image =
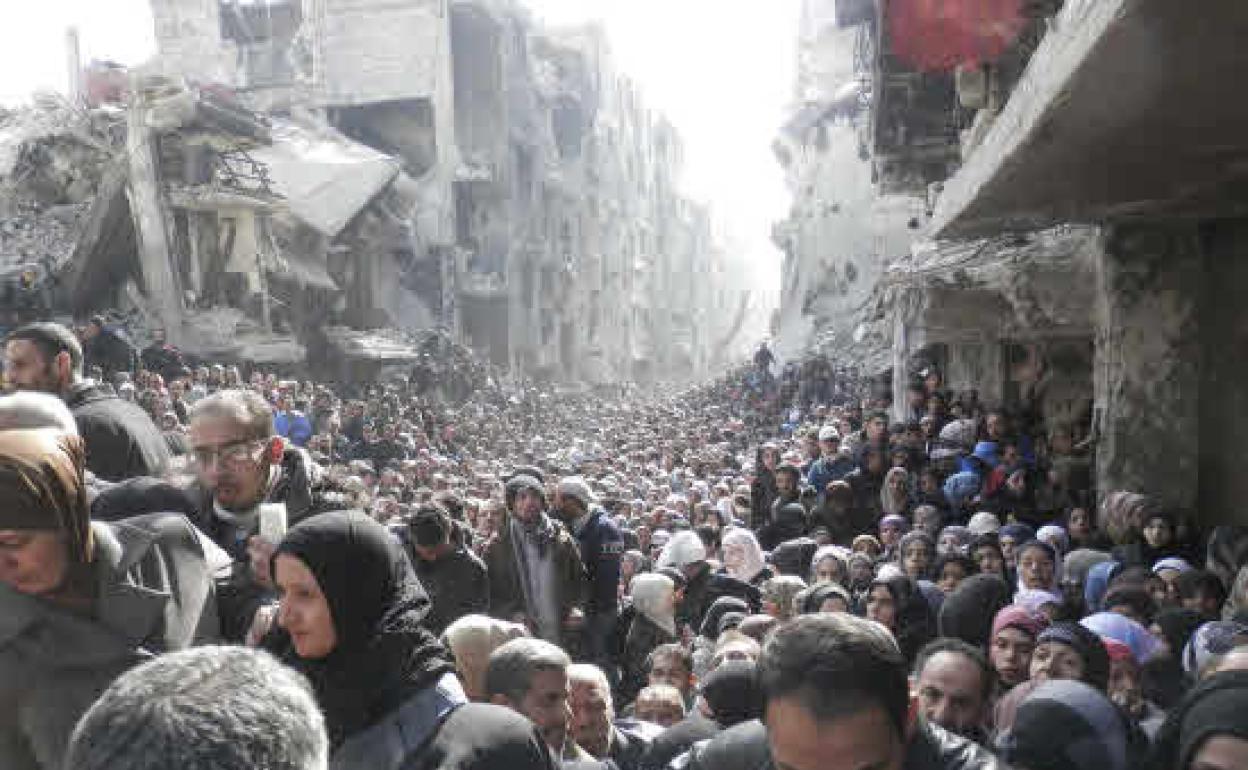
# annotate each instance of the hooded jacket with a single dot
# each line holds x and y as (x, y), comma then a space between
(153, 582)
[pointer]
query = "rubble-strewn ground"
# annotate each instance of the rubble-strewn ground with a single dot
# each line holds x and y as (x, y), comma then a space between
(52, 157)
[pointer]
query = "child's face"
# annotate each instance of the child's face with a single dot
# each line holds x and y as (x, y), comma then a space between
(1157, 533)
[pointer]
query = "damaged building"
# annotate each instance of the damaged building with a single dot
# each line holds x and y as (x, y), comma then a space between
(288, 179)
(523, 196)
(1082, 204)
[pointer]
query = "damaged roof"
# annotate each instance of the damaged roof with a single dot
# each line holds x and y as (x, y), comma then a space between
(325, 177)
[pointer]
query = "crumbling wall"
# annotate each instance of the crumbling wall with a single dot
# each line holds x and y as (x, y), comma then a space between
(1148, 363)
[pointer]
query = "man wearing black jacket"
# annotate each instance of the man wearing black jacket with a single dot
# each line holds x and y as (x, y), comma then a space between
(453, 575)
(121, 439)
(835, 686)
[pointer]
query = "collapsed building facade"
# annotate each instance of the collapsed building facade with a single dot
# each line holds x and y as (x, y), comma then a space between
(289, 178)
(1082, 231)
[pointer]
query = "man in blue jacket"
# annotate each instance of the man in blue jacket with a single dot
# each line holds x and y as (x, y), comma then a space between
(831, 465)
(601, 546)
(291, 423)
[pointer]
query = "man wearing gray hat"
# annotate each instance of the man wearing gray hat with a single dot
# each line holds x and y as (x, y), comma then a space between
(601, 546)
(535, 570)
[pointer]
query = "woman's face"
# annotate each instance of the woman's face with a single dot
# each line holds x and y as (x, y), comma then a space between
(734, 556)
(916, 560)
(33, 562)
(1054, 660)
(1036, 569)
(951, 575)
(1008, 544)
(989, 560)
(897, 483)
(829, 571)
(1011, 654)
(1157, 533)
(303, 612)
(860, 572)
(881, 608)
(889, 535)
(948, 543)
(1079, 525)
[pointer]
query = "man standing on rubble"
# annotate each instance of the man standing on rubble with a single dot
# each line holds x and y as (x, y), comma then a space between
(121, 439)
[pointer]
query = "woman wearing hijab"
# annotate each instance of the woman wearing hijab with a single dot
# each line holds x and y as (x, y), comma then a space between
(1068, 725)
(471, 639)
(1067, 650)
(654, 599)
(897, 604)
(895, 494)
(1208, 729)
(916, 552)
(1110, 625)
(824, 597)
(1039, 567)
(83, 602)
(743, 557)
(968, 612)
(351, 621)
(830, 565)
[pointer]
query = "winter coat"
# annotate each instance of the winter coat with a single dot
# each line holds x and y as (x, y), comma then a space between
(643, 636)
(122, 441)
(299, 485)
(507, 600)
(745, 747)
(154, 594)
(457, 583)
(705, 587)
(601, 546)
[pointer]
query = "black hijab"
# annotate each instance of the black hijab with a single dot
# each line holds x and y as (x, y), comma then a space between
(384, 654)
(968, 612)
(733, 692)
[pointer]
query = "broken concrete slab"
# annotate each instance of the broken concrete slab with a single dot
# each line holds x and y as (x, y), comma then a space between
(325, 177)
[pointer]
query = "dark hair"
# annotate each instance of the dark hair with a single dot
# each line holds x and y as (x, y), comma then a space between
(51, 340)
(958, 647)
(969, 565)
(672, 650)
(1198, 581)
(430, 526)
(836, 665)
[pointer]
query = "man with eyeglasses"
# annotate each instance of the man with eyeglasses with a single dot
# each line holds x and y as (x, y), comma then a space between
(240, 465)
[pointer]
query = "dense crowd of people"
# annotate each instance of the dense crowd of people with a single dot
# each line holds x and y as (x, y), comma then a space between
(206, 568)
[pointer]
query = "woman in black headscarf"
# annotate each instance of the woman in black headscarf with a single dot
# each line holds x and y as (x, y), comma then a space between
(351, 620)
(897, 603)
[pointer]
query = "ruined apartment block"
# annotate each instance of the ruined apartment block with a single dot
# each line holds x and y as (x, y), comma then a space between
(444, 164)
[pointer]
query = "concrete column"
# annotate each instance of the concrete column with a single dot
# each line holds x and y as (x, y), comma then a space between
(1148, 362)
(1224, 371)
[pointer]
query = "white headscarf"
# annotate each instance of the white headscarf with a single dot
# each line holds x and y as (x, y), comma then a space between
(752, 559)
(683, 549)
(652, 594)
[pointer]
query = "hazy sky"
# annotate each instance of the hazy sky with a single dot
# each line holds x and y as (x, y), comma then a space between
(722, 70)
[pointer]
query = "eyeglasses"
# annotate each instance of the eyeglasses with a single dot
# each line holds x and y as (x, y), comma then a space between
(233, 454)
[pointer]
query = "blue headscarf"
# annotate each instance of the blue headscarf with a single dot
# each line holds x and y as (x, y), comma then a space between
(1097, 583)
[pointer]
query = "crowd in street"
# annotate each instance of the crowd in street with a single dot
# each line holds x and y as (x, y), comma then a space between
(211, 568)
